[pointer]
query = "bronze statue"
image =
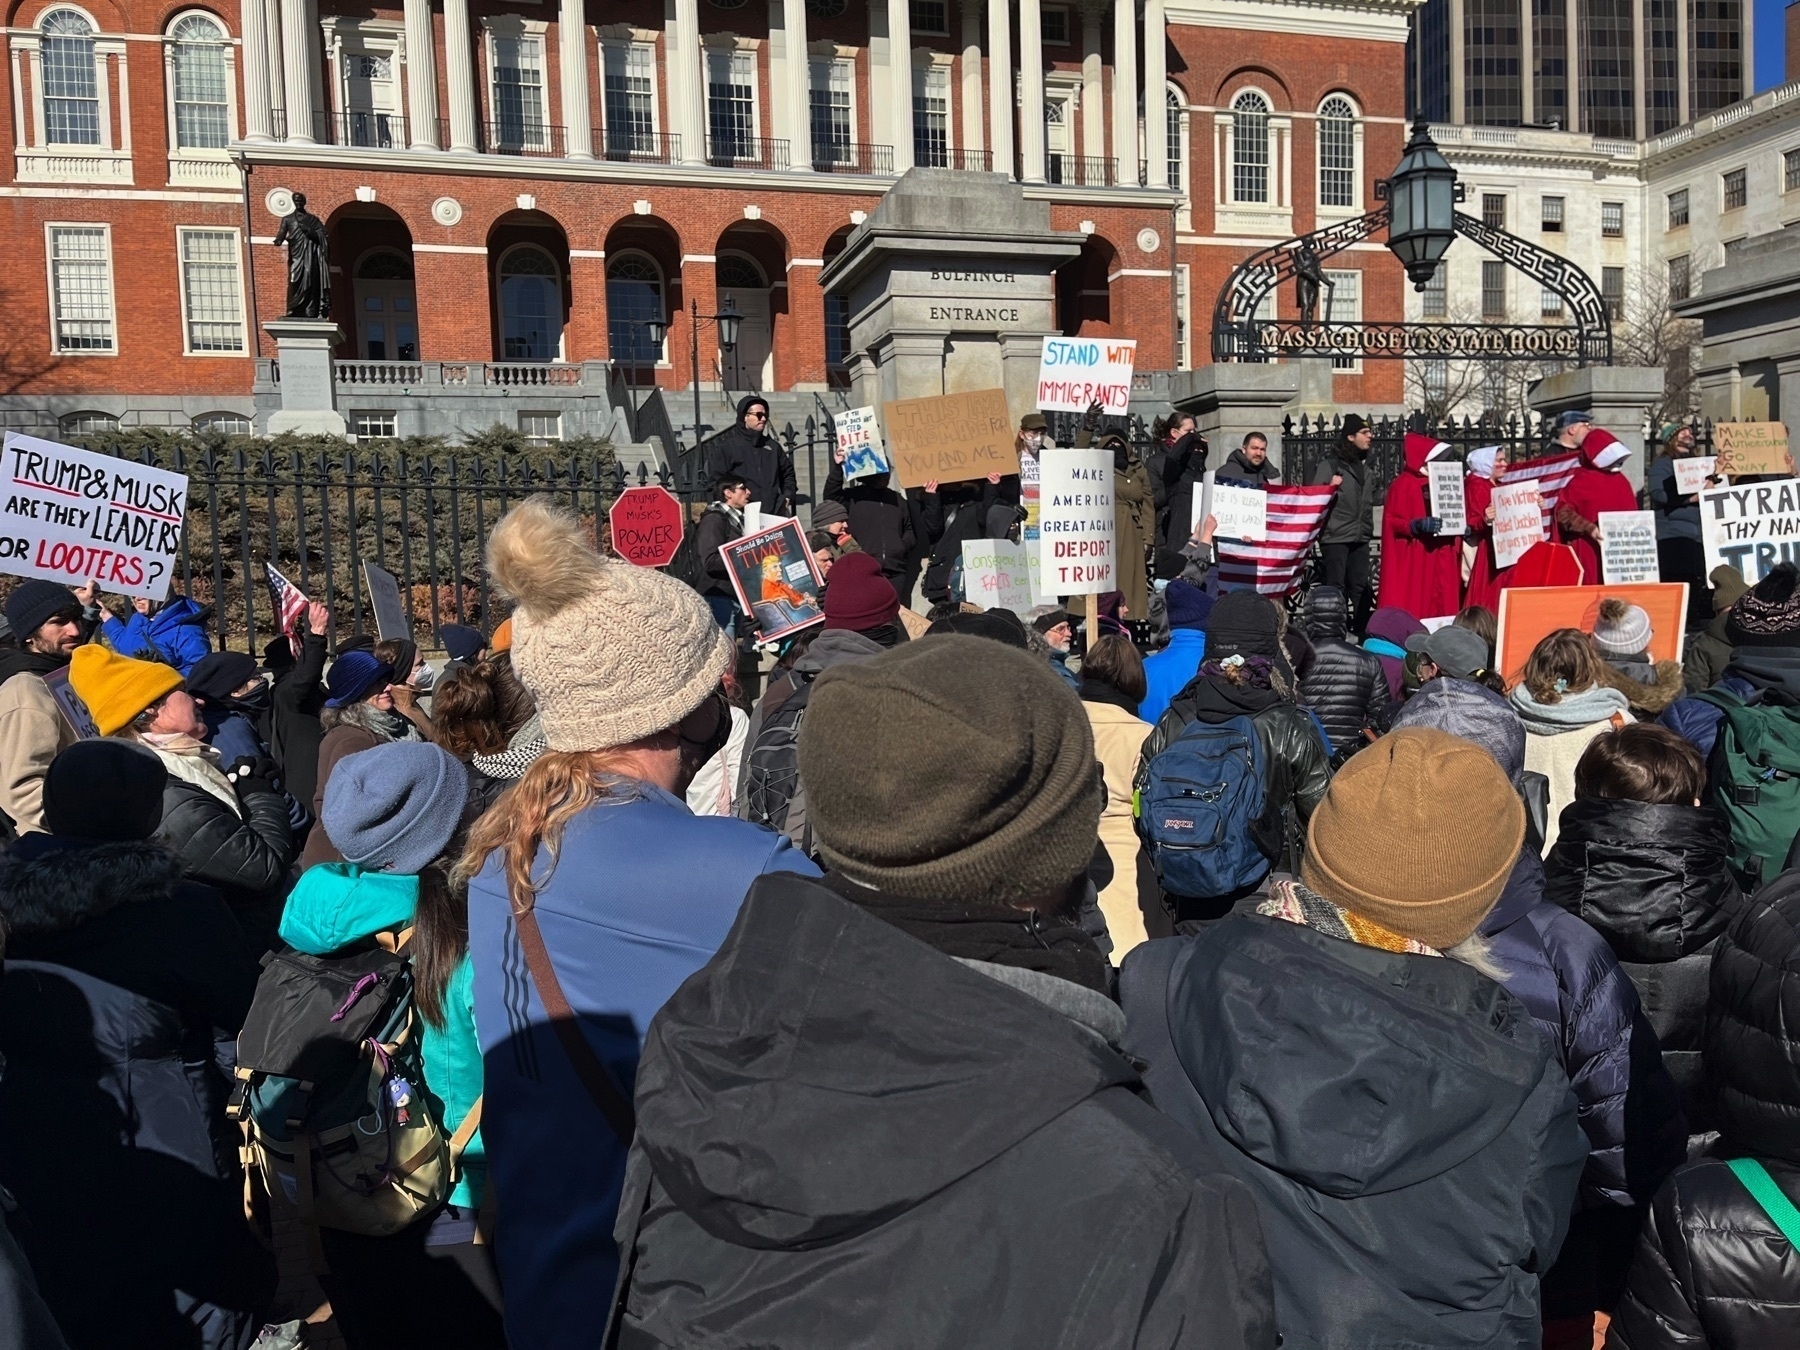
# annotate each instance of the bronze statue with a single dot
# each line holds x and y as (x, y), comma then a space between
(1309, 276)
(309, 262)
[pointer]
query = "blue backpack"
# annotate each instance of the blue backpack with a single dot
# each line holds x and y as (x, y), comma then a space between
(1203, 808)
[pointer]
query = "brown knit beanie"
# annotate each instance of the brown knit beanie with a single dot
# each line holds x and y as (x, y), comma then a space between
(952, 768)
(1418, 832)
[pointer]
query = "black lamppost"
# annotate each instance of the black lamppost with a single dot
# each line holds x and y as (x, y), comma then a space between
(728, 320)
(1421, 197)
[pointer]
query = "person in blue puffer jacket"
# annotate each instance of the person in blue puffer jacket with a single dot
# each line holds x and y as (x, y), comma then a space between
(172, 631)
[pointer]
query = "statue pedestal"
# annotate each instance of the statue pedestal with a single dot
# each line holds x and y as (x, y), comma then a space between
(308, 377)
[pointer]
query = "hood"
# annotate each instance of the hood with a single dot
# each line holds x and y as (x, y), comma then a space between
(745, 404)
(1752, 1038)
(1236, 460)
(178, 612)
(335, 904)
(1352, 1070)
(1472, 712)
(820, 1037)
(1521, 894)
(1767, 670)
(17, 661)
(1323, 617)
(833, 647)
(48, 884)
(1604, 451)
(1421, 450)
(1393, 625)
(1481, 462)
(1647, 696)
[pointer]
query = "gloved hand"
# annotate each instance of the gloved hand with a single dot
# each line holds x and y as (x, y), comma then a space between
(254, 774)
(1425, 525)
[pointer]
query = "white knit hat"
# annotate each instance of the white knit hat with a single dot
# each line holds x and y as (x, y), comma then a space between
(1622, 629)
(611, 652)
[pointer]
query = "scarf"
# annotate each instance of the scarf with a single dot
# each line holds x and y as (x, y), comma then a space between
(1571, 712)
(1291, 902)
(997, 934)
(194, 762)
(1099, 691)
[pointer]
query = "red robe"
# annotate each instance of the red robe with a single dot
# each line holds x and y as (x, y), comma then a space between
(1485, 574)
(1422, 576)
(1591, 491)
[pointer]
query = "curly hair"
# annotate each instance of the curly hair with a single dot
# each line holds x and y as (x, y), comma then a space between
(1566, 657)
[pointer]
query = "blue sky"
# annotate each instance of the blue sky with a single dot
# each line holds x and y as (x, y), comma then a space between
(1771, 42)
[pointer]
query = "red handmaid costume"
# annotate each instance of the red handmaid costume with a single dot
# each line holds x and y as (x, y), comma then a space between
(1484, 574)
(1596, 486)
(1422, 576)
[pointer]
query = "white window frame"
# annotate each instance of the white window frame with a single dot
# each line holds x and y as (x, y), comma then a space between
(1724, 189)
(559, 272)
(729, 47)
(229, 53)
(516, 27)
(37, 160)
(237, 272)
(1184, 313)
(616, 42)
(1335, 213)
(552, 414)
(1550, 303)
(928, 65)
(1275, 216)
(821, 65)
(1069, 25)
(1605, 208)
(1687, 208)
(383, 38)
(112, 285)
(1790, 160)
(389, 415)
(1341, 365)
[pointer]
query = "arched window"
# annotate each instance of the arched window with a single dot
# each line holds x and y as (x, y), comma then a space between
(1177, 126)
(1337, 152)
(202, 114)
(738, 273)
(1249, 148)
(634, 300)
(531, 305)
(223, 423)
(71, 87)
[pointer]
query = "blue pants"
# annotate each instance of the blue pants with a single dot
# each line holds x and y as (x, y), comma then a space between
(724, 610)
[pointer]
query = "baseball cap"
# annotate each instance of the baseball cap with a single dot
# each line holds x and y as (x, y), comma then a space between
(1571, 417)
(1455, 651)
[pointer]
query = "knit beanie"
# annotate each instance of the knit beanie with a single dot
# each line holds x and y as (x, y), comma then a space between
(1472, 712)
(461, 642)
(1187, 605)
(105, 789)
(1768, 614)
(829, 513)
(859, 597)
(1392, 839)
(395, 808)
(217, 674)
(998, 625)
(117, 688)
(1242, 623)
(1622, 629)
(1727, 585)
(951, 769)
(354, 676)
(611, 652)
(34, 603)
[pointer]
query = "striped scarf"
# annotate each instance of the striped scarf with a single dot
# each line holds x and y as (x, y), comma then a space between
(1292, 902)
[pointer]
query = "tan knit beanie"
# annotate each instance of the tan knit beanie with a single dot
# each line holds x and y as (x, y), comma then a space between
(953, 768)
(611, 652)
(1418, 832)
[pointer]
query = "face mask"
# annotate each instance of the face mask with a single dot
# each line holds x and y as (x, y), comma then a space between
(424, 677)
(254, 702)
(1034, 440)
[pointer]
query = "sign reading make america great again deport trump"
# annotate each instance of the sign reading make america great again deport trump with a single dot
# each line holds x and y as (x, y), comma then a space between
(75, 516)
(950, 438)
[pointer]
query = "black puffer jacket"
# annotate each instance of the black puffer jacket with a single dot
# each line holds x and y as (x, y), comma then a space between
(1652, 881)
(756, 457)
(881, 521)
(1345, 685)
(1712, 1269)
(294, 731)
(1183, 465)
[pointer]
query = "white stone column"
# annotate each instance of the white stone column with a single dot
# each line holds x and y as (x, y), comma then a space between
(258, 100)
(571, 51)
(797, 90)
(1156, 105)
(900, 81)
(974, 124)
(690, 112)
(1125, 135)
(300, 66)
(459, 63)
(1682, 100)
(1640, 125)
(1093, 102)
(1000, 85)
(421, 77)
(1031, 92)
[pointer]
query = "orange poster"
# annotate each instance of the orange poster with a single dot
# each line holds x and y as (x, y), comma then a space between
(1529, 614)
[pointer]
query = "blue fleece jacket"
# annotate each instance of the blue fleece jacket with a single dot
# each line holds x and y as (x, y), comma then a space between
(177, 631)
(1167, 673)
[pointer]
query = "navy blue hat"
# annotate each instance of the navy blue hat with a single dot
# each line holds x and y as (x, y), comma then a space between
(1188, 606)
(462, 642)
(104, 789)
(34, 603)
(217, 674)
(1570, 418)
(395, 808)
(353, 677)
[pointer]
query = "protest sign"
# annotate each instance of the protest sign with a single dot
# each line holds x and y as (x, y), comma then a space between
(1691, 473)
(1075, 522)
(950, 438)
(1518, 521)
(69, 703)
(859, 444)
(1529, 614)
(1752, 527)
(75, 516)
(1628, 547)
(1239, 512)
(646, 526)
(1074, 373)
(1028, 530)
(384, 599)
(776, 581)
(1751, 447)
(1444, 481)
(996, 575)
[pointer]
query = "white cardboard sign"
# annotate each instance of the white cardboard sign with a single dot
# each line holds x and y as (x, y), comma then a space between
(1444, 480)
(859, 438)
(1628, 548)
(1691, 473)
(997, 575)
(1518, 521)
(1074, 373)
(1240, 512)
(1751, 528)
(1075, 522)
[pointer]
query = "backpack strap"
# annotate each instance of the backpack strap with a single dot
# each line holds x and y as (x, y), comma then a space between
(588, 1068)
(1781, 1211)
(464, 1133)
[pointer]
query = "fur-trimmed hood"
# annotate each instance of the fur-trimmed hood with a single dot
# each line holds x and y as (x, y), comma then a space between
(1649, 698)
(48, 884)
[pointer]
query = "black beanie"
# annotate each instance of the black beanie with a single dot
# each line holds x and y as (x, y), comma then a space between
(217, 674)
(104, 789)
(1002, 625)
(1243, 623)
(34, 603)
(1768, 614)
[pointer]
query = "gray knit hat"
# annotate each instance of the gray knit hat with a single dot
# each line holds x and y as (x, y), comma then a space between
(1472, 712)
(952, 768)
(396, 807)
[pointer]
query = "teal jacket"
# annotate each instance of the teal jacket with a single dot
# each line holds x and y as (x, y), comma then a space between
(336, 904)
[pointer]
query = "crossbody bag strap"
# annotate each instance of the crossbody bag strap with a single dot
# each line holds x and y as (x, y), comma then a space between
(588, 1068)
(459, 1141)
(1781, 1210)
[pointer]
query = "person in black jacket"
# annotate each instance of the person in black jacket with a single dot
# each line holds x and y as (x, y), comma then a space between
(748, 451)
(1183, 465)
(951, 515)
(719, 524)
(1643, 862)
(1349, 527)
(1714, 1268)
(296, 698)
(879, 520)
(1248, 465)
(1345, 687)
(122, 993)
(890, 1110)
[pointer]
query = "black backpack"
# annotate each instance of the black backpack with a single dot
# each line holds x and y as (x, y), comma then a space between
(770, 787)
(686, 566)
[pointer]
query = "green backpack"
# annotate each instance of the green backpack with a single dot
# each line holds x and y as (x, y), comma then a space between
(1753, 779)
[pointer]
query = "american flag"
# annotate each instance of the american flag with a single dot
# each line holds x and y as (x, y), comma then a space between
(1274, 566)
(290, 603)
(1552, 474)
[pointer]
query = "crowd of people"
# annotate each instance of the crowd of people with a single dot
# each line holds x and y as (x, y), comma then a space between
(1175, 968)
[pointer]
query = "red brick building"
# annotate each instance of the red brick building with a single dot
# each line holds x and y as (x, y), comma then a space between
(507, 206)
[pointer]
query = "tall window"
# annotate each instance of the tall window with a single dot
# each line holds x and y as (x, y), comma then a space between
(1736, 190)
(931, 117)
(630, 96)
(833, 120)
(531, 306)
(1436, 295)
(1493, 210)
(1551, 219)
(202, 115)
(1790, 170)
(209, 290)
(1058, 162)
(1680, 285)
(1337, 152)
(71, 89)
(1249, 148)
(519, 94)
(81, 290)
(1550, 304)
(634, 300)
(731, 105)
(1493, 290)
(1612, 290)
(1678, 208)
(837, 331)
(1344, 306)
(1436, 378)
(1612, 220)
(1177, 123)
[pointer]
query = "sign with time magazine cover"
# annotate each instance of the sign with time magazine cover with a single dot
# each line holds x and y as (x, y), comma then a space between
(776, 582)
